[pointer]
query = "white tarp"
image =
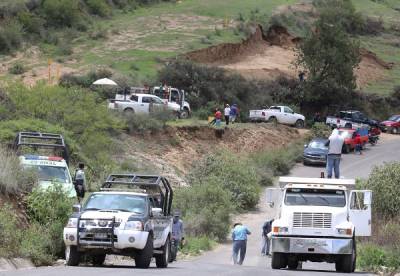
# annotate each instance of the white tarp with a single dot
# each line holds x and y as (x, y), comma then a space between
(105, 81)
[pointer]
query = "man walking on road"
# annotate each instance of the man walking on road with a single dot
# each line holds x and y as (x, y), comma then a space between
(266, 229)
(227, 112)
(177, 233)
(335, 144)
(239, 238)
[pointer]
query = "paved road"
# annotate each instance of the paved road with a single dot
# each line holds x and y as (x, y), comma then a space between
(218, 262)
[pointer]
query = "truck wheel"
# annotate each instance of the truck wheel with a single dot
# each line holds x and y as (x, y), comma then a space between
(395, 130)
(184, 114)
(129, 112)
(299, 124)
(348, 125)
(347, 263)
(162, 260)
(98, 260)
(278, 261)
(143, 257)
(293, 263)
(273, 120)
(346, 148)
(72, 255)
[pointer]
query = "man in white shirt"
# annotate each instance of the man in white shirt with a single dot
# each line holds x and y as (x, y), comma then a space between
(335, 144)
(227, 112)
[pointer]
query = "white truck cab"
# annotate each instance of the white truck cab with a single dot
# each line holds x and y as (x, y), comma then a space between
(277, 114)
(318, 220)
(130, 216)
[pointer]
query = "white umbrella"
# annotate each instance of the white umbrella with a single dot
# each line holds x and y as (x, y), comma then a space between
(105, 81)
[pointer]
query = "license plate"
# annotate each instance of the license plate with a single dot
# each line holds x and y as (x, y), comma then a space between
(100, 236)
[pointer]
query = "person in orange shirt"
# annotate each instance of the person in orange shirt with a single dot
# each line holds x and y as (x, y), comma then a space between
(218, 116)
(357, 141)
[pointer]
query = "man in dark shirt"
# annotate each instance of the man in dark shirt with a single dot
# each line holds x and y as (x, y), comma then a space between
(266, 229)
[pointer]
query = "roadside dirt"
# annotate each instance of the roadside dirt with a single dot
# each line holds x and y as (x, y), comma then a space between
(274, 54)
(174, 151)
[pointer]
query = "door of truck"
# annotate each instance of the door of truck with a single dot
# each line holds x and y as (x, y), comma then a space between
(274, 200)
(360, 211)
(287, 115)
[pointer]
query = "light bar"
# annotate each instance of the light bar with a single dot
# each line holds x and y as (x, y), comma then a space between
(49, 158)
(307, 180)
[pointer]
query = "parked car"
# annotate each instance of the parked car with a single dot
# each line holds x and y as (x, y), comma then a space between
(391, 125)
(349, 136)
(277, 114)
(315, 152)
(350, 119)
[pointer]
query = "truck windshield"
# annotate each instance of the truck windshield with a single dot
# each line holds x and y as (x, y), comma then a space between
(120, 202)
(51, 173)
(315, 197)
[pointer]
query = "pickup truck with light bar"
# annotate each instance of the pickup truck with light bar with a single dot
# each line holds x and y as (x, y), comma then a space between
(47, 155)
(130, 216)
(318, 220)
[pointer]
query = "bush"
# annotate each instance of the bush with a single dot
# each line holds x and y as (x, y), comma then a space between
(9, 232)
(51, 209)
(10, 36)
(206, 209)
(13, 179)
(373, 257)
(69, 80)
(196, 245)
(98, 7)
(36, 243)
(383, 181)
(17, 69)
(61, 13)
(31, 23)
(153, 122)
(320, 130)
(233, 174)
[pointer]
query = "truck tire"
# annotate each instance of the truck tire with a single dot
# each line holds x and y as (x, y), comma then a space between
(273, 120)
(163, 259)
(184, 114)
(98, 260)
(143, 257)
(395, 130)
(299, 124)
(293, 263)
(278, 260)
(347, 263)
(129, 111)
(346, 148)
(348, 125)
(72, 255)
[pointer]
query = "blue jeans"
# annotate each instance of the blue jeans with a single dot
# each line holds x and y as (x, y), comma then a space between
(239, 250)
(332, 164)
(265, 246)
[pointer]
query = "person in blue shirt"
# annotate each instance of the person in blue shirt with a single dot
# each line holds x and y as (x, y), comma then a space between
(239, 238)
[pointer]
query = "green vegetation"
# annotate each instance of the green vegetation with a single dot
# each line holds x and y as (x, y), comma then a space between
(17, 69)
(42, 240)
(197, 245)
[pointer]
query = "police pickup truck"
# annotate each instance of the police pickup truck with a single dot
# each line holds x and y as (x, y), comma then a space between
(47, 155)
(318, 220)
(130, 216)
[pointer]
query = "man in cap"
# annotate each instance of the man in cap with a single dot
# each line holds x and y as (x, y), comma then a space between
(177, 231)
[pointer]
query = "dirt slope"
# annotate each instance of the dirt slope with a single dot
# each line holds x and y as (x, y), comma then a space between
(174, 151)
(268, 56)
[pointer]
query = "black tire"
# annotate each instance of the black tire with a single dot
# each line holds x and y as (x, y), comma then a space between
(143, 257)
(347, 263)
(293, 263)
(348, 125)
(162, 260)
(98, 260)
(129, 111)
(278, 260)
(395, 130)
(299, 124)
(72, 255)
(346, 148)
(184, 114)
(273, 120)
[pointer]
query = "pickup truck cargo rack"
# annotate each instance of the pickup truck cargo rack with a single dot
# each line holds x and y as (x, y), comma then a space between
(350, 183)
(152, 184)
(37, 140)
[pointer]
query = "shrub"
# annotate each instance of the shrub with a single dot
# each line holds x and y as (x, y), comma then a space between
(13, 179)
(383, 181)
(196, 245)
(153, 122)
(98, 7)
(61, 13)
(35, 245)
(9, 232)
(206, 209)
(373, 257)
(10, 36)
(17, 69)
(233, 173)
(320, 130)
(54, 218)
(31, 23)
(69, 80)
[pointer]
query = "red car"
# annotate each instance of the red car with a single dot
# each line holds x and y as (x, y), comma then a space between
(391, 125)
(349, 138)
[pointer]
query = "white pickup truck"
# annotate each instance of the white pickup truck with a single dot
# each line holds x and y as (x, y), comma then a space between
(130, 216)
(318, 220)
(278, 114)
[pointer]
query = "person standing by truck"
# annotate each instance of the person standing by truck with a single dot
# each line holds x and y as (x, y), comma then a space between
(335, 144)
(357, 141)
(80, 182)
(177, 233)
(266, 229)
(239, 238)
(227, 112)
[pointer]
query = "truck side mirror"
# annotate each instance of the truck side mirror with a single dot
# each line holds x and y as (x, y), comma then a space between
(367, 198)
(270, 200)
(76, 208)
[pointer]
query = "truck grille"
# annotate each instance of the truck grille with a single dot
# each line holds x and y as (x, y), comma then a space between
(312, 220)
(95, 232)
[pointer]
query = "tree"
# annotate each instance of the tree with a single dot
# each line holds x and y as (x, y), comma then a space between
(329, 56)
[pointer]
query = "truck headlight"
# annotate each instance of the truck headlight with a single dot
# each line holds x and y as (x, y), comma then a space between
(280, 230)
(345, 231)
(72, 223)
(134, 225)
